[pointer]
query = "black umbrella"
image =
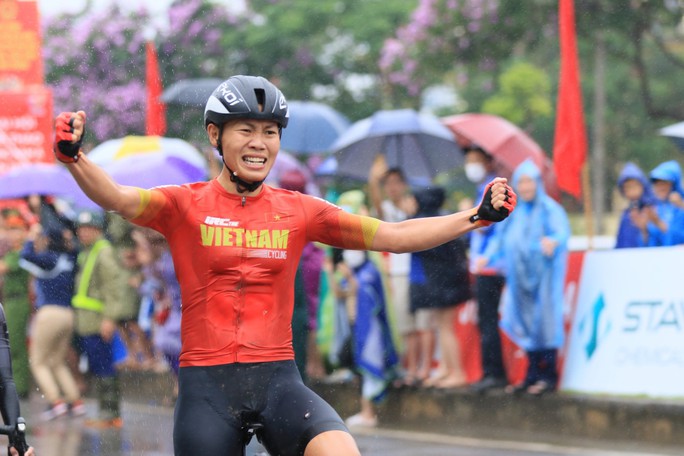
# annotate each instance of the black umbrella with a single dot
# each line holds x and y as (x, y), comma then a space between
(190, 92)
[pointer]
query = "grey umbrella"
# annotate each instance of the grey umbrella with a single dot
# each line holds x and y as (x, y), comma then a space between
(190, 92)
(675, 133)
(417, 143)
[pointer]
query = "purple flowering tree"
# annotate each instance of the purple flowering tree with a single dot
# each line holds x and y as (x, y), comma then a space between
(457, 39)
(95, 61)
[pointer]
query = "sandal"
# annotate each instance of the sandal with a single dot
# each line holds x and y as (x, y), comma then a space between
(540, 388)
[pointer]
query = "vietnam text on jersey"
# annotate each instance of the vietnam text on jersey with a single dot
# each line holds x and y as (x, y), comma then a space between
(236, 260)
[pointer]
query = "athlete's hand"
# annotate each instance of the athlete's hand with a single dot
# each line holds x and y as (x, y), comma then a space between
(69, 131)
(28, 452)
(17, 441)
(498, 202)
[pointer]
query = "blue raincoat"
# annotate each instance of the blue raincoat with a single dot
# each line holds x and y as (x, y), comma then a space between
(629, 235)
(532, 312)
(374, 353)
(668, 212)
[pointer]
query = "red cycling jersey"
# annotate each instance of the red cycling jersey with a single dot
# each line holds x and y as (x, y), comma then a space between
(236, 259)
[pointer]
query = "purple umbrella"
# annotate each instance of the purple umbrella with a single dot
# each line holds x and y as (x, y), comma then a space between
(149, 171)
(36, 179)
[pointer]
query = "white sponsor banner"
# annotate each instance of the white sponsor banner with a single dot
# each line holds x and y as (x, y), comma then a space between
(627, 336)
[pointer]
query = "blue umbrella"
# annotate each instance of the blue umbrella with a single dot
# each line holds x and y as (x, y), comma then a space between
(313, 127)
(417, 143)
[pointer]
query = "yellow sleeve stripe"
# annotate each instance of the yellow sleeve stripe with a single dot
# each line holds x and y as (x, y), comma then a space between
(145, 197)
(369, 226)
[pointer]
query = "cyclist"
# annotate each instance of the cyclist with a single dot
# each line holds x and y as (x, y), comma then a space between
(236, 243)
(9, 400)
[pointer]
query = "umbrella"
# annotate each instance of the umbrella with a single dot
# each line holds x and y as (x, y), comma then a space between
(154, 170)
(675, 133)
(150, 161)
(507, 143)
(313, 127)
(43, 179)
(190, 92)
(36, 179)
(417, 143)
(328, 168)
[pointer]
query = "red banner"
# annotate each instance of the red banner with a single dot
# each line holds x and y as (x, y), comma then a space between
(156, 110)
(25, 127)
(570, 141)
(21, 63)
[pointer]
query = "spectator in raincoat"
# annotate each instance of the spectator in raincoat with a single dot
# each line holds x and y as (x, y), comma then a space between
(668, 227)
(635, 187)
(534, 246)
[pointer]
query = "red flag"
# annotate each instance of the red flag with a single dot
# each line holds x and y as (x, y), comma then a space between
(570, 142)
(155, 123)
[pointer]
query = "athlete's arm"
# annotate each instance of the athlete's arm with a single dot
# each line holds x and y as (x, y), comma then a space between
(92, 179)
(425, 233)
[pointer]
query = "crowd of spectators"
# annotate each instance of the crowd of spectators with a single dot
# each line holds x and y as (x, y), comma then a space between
(385, 319)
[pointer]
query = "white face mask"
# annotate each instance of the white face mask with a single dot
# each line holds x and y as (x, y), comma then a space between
(475, 172)
(354, 258)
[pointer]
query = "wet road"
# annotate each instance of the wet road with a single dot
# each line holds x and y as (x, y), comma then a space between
(147, 431)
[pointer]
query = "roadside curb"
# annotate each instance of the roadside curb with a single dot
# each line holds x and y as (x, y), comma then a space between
(552, 418)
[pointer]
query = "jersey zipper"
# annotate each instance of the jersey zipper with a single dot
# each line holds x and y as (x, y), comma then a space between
(240, 289)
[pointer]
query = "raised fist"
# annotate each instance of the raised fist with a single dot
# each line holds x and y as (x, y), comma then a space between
(498, 202)
(69, 131)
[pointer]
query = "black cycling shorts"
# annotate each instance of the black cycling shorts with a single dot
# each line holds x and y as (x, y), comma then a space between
(216, 404)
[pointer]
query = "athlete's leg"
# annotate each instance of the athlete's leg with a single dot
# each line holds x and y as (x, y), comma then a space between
(332, 443)
(199, 427)
(295, 416)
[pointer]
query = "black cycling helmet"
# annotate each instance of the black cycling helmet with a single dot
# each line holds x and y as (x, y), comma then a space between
(239, 97)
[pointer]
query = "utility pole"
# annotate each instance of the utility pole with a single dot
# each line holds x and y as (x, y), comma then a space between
(599, 133)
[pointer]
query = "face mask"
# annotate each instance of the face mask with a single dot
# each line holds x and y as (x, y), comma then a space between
(475, 172)
(354, 258)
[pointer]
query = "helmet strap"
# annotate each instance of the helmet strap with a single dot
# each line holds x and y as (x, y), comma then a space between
(241, 184)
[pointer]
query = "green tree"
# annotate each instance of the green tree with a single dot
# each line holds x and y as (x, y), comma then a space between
(524, 95)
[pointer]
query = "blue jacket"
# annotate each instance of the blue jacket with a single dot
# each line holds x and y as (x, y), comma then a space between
(54, 272)
(668, 212)
(629, 235)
